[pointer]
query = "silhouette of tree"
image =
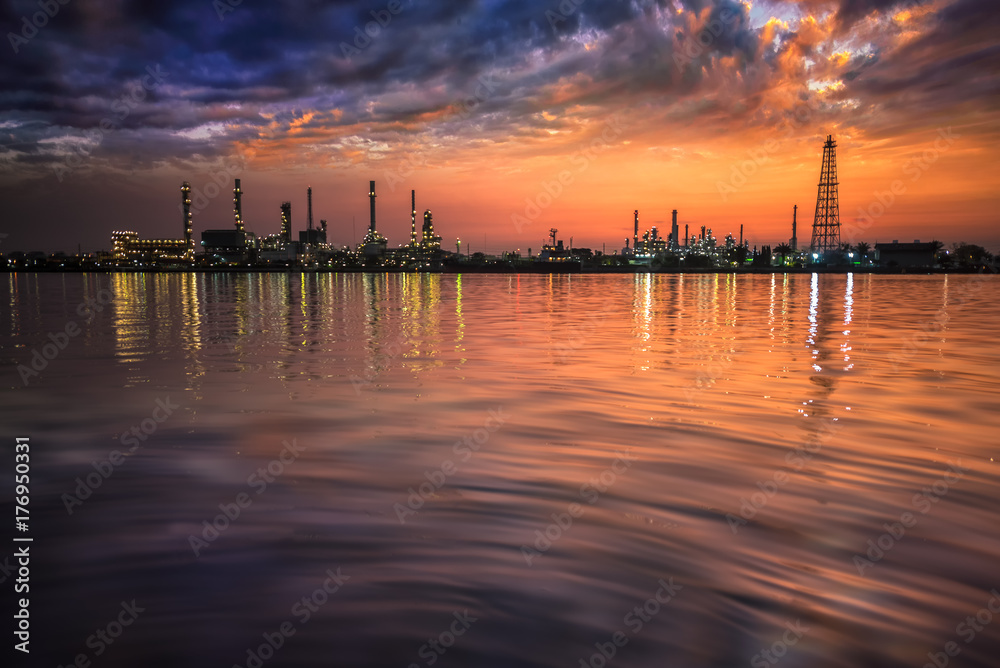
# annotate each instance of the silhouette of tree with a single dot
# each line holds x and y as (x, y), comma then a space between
(784, 250)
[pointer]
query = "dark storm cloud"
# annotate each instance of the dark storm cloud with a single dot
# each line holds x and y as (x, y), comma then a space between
(273, 63)
(850, 11)
(950, 67)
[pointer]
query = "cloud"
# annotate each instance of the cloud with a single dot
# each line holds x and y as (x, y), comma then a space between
(309, 73)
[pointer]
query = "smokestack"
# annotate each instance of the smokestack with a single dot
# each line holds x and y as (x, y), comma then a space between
(635, 231)
(413, 217)
(686, 237)
(186, 207)
(371, 195)
(795, 238)
(309, 200)
(741, 234)
(702, 232)
(238, 205)
(673, 230)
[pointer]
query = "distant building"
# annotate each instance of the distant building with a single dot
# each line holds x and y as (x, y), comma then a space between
(906, 255)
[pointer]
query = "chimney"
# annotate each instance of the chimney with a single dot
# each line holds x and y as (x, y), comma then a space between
(371, 195)
(635, 230)
(309, 198)
(795, 238)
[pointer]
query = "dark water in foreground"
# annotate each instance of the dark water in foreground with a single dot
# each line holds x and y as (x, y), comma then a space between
(639, 412)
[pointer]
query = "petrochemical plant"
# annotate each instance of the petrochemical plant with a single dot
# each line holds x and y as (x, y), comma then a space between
(237, 248)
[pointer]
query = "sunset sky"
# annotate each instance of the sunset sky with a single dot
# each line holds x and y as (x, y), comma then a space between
(716, 108)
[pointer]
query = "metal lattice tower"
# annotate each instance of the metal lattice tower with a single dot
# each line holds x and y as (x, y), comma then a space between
(826, 225)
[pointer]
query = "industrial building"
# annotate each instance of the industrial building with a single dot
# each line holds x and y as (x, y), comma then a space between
(234, 245)
(128, 250)
(311, 235)
(907, 255)
(374, 244)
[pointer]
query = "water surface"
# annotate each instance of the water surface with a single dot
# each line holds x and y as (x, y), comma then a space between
(738, 439)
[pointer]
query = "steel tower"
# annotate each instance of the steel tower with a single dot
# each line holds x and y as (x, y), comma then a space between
(826, 226)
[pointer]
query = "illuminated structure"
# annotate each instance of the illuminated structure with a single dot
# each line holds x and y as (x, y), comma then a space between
(232, 245)
(413, 218)
(649, 245)
(429, 242)
(635, 233)
(374, 244)
(286, 221)
(554, 257)
(188, 229)
(238, 206)
(278, 249)
(826, 225)
(129, 250)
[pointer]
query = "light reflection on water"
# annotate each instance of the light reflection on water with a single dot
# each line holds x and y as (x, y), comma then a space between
(816, 405)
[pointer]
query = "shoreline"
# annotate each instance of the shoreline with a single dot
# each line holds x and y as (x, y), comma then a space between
(510, 270)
